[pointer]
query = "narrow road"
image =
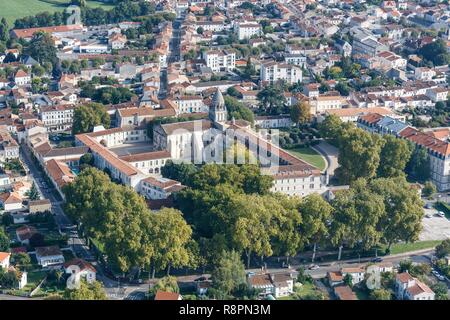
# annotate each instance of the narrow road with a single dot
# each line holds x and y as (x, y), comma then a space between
(331, 155)
(78, 245)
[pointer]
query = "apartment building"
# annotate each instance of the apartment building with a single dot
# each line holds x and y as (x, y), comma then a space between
(330, 101)
(247, 30)
(438, 150)
(220, 60)
(272, 71)
(366, 44)
(190, 104)
(57, 118)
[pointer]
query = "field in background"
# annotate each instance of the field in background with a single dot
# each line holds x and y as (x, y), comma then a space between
(14, 9)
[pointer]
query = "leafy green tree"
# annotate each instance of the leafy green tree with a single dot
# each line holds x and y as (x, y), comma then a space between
(343, 88)
(87, 160)
(4, 30)
(21, 259)
(86, 117)
(331, 127)
(402, 220)
(86, 291)
(348, 280)
(419, 165)
(286, 240)
(250, 232)
(443, 249)
(356, 218)
(228, 273)
(436, 52)
(440, 290)
(429, 189)
(301, 113)
(272, 100)
(33, 193)
(172, 240)
(316, 214)
(4, 240)
(38, 70)
(395, 155)
(238, 110)
(359, 155)
(166, 284)
(250, 69)
(42, 48)
(380, 294)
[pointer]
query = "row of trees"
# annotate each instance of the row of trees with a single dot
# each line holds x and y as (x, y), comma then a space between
(360, 153)
(131, 235)
(227, 215)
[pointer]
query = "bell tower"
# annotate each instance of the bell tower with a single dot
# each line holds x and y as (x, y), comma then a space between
(218, 111)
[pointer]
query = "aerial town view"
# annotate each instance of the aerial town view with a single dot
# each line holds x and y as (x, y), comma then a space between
(224, 150)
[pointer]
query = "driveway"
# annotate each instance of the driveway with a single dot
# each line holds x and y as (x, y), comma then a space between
(331, 155)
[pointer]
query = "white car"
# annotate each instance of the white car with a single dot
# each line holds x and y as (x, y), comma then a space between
(428, 215)
(313, 267)
(441, 214)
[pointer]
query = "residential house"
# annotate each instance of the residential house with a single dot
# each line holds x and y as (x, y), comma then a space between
(22, 78)
(162, 295)
(10, 201)
(43, 205)
(410, 288)
(335, 278)
(275, 284)
(49, 256)
(344, 293)
(83, 268)
(25, 233)
(357, 274)
(4, 260)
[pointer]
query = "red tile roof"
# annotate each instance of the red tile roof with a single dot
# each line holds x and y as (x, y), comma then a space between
(161, 295)
(426, 140)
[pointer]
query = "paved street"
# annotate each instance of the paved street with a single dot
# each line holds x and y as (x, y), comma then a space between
(63, 222)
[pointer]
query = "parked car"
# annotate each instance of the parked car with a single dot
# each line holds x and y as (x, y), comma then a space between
(428, 215)
(441, 214)
(438, 275)
(429, 205)
(313, 267)
(377, 259)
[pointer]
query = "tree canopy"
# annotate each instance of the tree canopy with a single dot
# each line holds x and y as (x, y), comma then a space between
(86, 117)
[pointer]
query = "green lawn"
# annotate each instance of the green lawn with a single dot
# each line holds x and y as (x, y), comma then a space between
(14, 9)
(419, 245)
(311, 156)
(305, 292)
